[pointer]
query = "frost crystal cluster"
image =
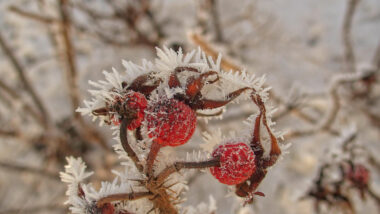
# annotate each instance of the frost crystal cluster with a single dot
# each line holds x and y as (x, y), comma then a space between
(157, 104)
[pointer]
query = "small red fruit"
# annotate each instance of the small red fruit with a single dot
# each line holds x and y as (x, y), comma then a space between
(107, 209)
(171, 122)
(237, 163)
(359, 175)
(130, 103)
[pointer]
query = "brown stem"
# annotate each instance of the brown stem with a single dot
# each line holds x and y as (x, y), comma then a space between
(71, 69)
(72, 74)
(275, 150)
(177, 166)
(36, 209)
(154, 149)
(12, 93)
(36, 171)
(24, 80)
(124, 142)
(122, 197)
(216, 20)
(33, 16)
(349, 55)
(9, 133)
(376, 57)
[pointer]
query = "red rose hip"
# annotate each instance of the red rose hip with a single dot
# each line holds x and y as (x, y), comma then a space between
(107, 209)
(131, 103)
(170, 122)
(237, 163)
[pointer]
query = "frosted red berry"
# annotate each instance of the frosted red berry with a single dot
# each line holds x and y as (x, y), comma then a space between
(237, 163)
(130, 103)
(170, 122)
(107, 208)
(359, 175)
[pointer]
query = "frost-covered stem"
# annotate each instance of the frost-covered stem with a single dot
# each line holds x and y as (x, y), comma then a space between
(124, 142)
(349, 55)
(177, 166)
(334, 109)
(24, 80)
(71, 69)
(154, 149)
(122, 197)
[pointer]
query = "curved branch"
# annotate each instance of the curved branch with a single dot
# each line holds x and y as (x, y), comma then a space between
(349, 55)
(126, 146)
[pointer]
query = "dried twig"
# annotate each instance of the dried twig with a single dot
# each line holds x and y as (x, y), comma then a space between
(349, 54)
(153, 152)
(209, 50)
(35, 209)
(24, 80)
(33, 16)
(71, 69)
(330, 116)
(9, 133)
(376, 58)
(32, 170)
(216, 20)
(12, 93)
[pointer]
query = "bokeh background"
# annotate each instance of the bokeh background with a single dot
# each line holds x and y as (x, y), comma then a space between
(49, 49)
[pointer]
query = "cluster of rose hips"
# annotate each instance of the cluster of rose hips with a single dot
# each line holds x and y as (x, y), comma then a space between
(336, 193)
(172, 122)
